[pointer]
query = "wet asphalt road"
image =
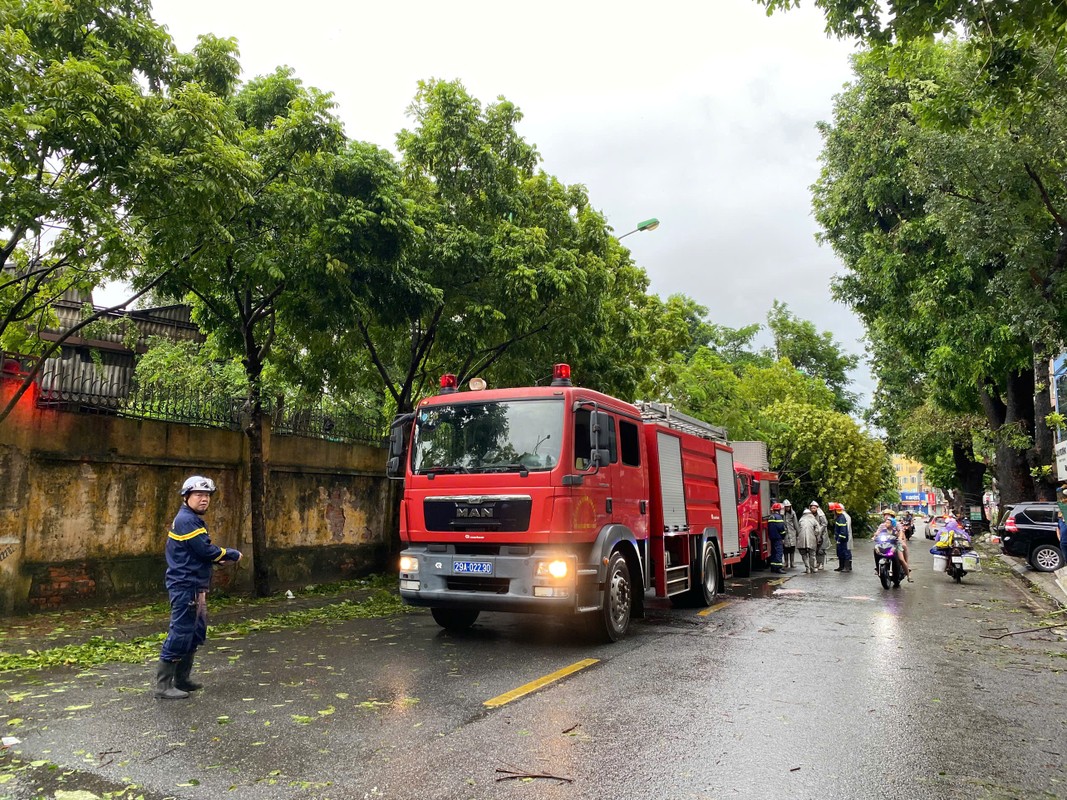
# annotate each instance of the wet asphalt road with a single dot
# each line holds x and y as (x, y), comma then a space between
(815, 686)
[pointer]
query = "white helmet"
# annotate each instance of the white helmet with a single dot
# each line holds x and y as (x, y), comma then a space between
(198, 483)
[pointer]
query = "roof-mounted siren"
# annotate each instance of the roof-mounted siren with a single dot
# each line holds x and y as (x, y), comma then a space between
(561, 375)
(449, 384)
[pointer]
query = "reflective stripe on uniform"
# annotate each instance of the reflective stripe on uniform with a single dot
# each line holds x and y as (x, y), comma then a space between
(184, 537)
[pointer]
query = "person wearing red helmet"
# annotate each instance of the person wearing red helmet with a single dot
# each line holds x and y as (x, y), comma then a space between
(843, 537)
(776, 532)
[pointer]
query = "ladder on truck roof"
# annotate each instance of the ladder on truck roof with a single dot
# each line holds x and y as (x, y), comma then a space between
(660, 412)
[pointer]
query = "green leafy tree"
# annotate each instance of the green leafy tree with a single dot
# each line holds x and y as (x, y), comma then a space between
(716, 374)
(825, 453)
(906, 206)
(178, 366)
(921, 19)
(512, 269)
(815, 354)
(274, 268)
(106, 132)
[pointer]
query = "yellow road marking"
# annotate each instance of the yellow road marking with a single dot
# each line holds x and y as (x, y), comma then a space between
(711, 609)
(533, 686)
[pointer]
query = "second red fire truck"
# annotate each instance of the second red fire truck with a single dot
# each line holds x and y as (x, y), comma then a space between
(560, 499)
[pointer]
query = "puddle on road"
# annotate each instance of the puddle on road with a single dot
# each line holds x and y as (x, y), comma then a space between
(761, 589)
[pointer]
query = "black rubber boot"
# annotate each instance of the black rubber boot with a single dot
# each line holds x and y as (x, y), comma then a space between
(840, 566)
(181, 675)
(165, 682)
(848, 565)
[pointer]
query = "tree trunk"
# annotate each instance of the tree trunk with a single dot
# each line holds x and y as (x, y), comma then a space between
(1010, 419)
(1020, 416)
(1041, 457)
(257, 494)
(970, 474)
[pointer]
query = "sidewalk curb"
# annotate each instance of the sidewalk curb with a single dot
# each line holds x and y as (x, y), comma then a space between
(1052, 584)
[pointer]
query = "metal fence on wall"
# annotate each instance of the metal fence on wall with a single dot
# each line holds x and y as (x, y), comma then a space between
(113, 395)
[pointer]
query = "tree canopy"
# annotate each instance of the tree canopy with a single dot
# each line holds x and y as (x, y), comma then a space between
(511, 270)
(117, 159)
(322, 264)
(874, 22)
(949, 218)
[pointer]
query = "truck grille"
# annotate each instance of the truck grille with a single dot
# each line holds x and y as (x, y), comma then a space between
(472, 583)
(474, 514)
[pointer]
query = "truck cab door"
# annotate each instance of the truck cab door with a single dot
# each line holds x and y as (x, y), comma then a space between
(596, 484)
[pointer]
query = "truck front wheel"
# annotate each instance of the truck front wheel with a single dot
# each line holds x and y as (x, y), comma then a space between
(454, 619)
(613, 621)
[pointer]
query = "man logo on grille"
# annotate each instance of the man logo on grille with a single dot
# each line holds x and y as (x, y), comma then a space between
(474, 513)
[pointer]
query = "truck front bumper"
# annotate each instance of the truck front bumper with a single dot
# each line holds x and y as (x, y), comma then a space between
(504, 582)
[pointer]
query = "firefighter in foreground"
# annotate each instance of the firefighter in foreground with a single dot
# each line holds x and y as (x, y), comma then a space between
(776, 532)
(843, 536)
(190, 557)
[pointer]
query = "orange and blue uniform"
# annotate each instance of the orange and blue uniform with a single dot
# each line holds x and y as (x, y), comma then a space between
(776, 533)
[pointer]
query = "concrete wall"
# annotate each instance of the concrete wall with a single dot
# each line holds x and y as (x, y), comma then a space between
(86, 501)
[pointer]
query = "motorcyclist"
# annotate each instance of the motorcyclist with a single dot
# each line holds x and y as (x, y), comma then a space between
(908, 523)
(901, 548)
(889, 517)
(952, 535)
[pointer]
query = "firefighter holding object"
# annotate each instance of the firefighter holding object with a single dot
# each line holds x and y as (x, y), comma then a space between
(190, 557)
(776, 532)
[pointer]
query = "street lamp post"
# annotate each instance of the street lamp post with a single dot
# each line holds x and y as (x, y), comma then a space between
(647, 225)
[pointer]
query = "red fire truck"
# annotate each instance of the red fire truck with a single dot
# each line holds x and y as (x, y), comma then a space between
(756, 486)
(560, 499)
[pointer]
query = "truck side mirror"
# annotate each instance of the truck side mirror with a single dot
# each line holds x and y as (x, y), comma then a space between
(599, 458)
(600, 425)
(398, 439)
(599, 442)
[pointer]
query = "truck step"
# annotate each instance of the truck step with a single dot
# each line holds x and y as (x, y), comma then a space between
(677, 580)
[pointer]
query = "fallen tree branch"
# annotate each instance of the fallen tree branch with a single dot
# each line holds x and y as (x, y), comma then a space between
(1028, 630)
(511, 775)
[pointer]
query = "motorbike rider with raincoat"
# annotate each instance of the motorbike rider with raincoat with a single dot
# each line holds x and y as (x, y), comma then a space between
(952, 535)
(901, 548)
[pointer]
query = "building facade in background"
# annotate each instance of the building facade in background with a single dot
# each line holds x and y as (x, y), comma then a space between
(1058, 369)
(915, 493)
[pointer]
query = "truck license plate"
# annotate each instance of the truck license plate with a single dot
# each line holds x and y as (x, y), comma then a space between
(472, 567)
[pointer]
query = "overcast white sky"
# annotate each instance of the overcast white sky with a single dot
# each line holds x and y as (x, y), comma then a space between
(701, 114)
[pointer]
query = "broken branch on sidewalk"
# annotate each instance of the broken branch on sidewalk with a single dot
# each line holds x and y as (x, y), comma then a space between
(511, 775)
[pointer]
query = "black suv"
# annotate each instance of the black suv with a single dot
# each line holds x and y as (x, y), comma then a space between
(1029, 530)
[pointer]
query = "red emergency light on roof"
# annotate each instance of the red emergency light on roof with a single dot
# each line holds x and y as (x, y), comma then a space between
(448, 383)
(561, 375)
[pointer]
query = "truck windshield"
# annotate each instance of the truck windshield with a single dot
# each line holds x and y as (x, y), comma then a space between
(509, 436)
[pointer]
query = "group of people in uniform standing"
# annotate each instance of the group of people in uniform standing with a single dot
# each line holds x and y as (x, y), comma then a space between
(808, 534)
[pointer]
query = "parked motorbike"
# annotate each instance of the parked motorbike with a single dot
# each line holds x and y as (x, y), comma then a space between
(886, 564)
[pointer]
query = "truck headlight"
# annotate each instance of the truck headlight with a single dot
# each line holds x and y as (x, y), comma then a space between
(552, 569)
(409, 564)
